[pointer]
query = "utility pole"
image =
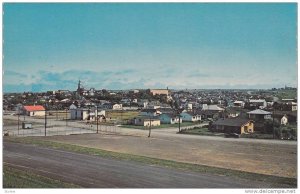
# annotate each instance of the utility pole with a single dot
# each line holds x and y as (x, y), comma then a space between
(18, 120)
(273, 122)
(97, 117)
(56, 112)
(179, 123)
(45, 121)
(66, 117)
(150, 128)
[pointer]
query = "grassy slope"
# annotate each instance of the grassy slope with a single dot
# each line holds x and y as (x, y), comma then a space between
(275, 181)
(14, 178)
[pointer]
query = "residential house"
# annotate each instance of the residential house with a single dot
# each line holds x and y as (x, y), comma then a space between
(150, 112)
(239, 103)
(233, 125)
(89, 114)
(260, 103)
(232, 112)
(284, 120)
(107, 105)
(159, 91)
(36, 110)
(210, 114)
(169, 118)
(117, 107)
(190, 116)
(213, 107)
(145, 121)
(259, 114)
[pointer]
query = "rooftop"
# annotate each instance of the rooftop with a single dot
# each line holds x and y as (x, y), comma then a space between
(235, 122)
(34, 108)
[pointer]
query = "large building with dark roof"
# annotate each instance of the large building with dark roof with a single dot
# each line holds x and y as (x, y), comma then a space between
(233, 125)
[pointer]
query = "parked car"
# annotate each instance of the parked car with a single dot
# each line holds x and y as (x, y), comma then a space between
(234, 135)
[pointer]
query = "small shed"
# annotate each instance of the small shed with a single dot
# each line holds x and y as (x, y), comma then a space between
(26, 125)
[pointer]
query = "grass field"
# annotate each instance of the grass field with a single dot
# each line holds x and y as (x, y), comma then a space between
(124, 115)
(14, 178)
(274, 180)
(288, 94)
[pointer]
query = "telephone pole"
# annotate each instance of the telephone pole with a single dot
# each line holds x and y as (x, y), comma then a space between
(66, 117)
(45, 121)
(150, 128)
(97, 118)
(18, 120)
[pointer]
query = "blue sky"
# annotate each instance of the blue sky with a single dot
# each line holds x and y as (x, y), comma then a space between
(126, 46)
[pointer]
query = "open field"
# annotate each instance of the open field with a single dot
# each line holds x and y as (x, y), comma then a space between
(100, 168)
(286, 94)
(263, 157)
(121, 114)
(15, 178)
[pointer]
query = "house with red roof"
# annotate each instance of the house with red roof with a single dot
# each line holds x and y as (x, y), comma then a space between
(36, 110)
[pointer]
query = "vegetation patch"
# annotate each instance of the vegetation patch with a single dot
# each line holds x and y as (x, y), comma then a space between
(15, 178)
(200, 131)
(273, 180)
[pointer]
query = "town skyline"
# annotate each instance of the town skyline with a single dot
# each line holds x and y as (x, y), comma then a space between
(142, 46)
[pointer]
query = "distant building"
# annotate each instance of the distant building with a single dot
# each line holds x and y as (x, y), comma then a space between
(284, 120)
(147, 122)
(160, 91)
(259, 114)
(169, 118)
(190, 116)
(117, 107)
(240, 104)
(150, 112)
(37, 110)
(86, 114)
(261, 103)
(235, 125)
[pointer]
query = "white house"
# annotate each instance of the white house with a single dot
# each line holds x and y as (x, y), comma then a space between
(36, 110)
(259, 114)
(261, 103)
(284, 120)
(238, 103)
(190, 116)
(212, 107)
(147, 122)
(117, 107)
(85, 113)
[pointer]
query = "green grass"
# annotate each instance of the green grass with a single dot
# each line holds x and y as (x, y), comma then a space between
(200, 131)
(257, 136)
(287, 94)
(273, 180)
(14, 178)
(124, 115)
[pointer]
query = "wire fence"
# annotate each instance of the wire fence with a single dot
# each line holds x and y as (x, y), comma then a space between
(28, 126)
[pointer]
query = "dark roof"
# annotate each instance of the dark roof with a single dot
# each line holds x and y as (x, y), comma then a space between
(193, 113)
(166, 110)
(235, 122)
(207, 112)
(148, 110)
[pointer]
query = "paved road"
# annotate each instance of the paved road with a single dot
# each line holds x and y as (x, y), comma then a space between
(96, 172)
